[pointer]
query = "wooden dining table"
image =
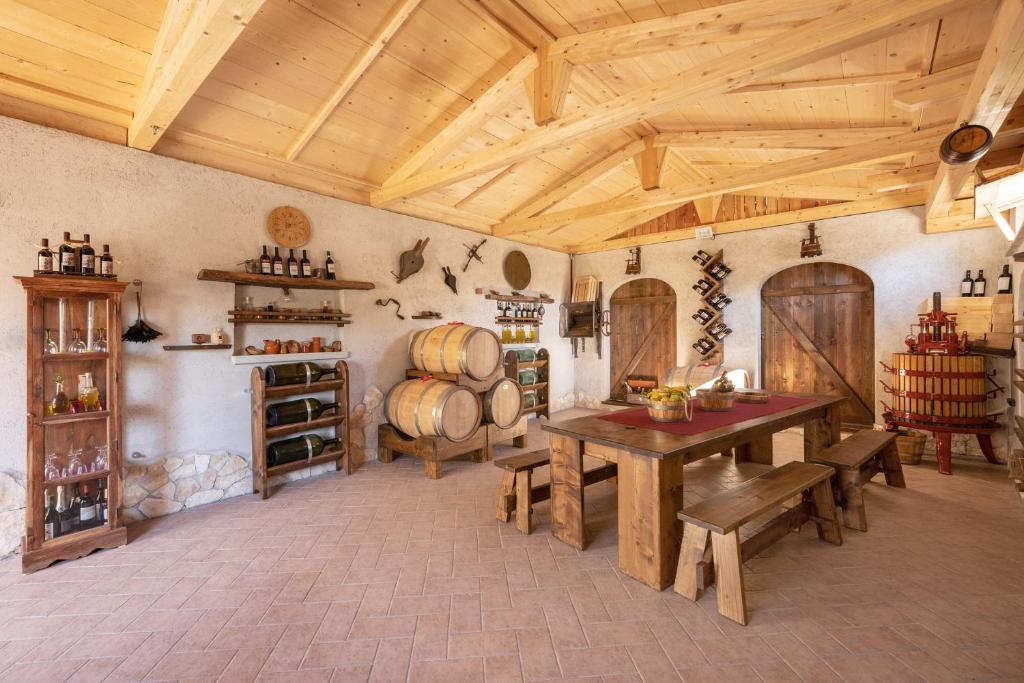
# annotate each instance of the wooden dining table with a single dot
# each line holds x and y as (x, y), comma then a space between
(650, 467)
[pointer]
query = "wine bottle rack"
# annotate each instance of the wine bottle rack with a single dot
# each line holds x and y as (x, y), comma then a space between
(262, 433)
(716, 352)
(512, 367)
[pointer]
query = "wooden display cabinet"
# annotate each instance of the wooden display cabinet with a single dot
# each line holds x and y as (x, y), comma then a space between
(80, 447)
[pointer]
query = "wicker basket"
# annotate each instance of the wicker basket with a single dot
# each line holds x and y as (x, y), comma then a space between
(674, 411)
(751, 395)
(716, 401)
(911, 446)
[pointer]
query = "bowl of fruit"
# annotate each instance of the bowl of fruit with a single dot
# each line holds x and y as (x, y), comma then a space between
(669, 404)
(719, 397)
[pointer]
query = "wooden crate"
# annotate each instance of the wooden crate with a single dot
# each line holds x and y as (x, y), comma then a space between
(988, 318)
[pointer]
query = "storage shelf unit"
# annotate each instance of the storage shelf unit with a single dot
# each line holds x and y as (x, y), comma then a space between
(513, 365)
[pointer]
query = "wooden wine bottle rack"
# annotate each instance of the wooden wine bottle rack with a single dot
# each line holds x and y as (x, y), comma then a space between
(717, 352)
(262, 434)
(512, 367)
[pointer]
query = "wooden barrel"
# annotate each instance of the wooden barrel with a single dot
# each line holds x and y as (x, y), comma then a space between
(433, 408)
(457, 349)
(934, 389)
(702, 375)
(503, 403)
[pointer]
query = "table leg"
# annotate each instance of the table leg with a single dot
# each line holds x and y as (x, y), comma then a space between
(757, 451)
(650, 495)
(821, 432)
(567, 490)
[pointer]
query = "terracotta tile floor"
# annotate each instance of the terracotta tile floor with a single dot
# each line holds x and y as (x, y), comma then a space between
(387, 576)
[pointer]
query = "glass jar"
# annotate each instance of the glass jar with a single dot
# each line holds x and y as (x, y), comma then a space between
(520, 334)
(88, 394)
(527, 377)
(506, 334)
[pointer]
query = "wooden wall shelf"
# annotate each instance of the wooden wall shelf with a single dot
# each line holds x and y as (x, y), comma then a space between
(256, 280)
(520, 298)
(195, 347)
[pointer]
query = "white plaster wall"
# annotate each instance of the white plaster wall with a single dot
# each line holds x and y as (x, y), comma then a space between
(905, 264)
(166, 219)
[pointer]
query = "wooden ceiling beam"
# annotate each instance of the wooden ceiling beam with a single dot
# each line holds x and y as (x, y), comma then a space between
(807, 138)
(884, 148)
(823, 83)
(394, 21)
(927, 90)
(857, 24)
(192, 39)
(997, 83)
(548, 85)
(650, 164)
(707, 208)
(901, 179)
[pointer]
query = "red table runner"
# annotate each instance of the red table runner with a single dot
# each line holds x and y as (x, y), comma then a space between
(706, 420)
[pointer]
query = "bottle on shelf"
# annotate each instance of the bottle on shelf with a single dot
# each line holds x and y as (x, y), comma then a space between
(702, 257)
(49, 343)
(520, 334)
(1004, 283)
(44, 262)
(720, 332)
(66, 254)
(51, 522)
(266, 265)
(979, 284)
(63, 512)
(703, 286)
(59, 404)
(75, 507)
(277, 263)
(719, 271)
(296, 373)
(88, 394)
(506, 334)
(704, 346)
(305, 267)
(293, 264)
(967, 285)
(101, 502)
(329, 271)
(86, 509)
(703, 316)
(299, 448)
(87, 257)
(106, 262)
(301, 410)
(719, 301)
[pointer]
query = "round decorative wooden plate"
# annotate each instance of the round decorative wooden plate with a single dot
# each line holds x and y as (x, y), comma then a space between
(966, 143)
(517, 270)
(288, 227)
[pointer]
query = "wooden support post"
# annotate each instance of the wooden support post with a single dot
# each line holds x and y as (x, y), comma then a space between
(758, 451)
(695, 541)
(567, 490)
(820, 433)
(650, 164)
(524, 507)
(729, 576)
(548, 85)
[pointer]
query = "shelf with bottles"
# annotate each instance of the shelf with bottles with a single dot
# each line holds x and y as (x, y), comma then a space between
(296, 316)
(259, 280)
(710, 287)
(517, 298)
(74, 258)
(530, 368)
(75, 507)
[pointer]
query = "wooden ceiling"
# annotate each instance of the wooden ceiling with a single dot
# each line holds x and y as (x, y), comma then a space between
(578, 125)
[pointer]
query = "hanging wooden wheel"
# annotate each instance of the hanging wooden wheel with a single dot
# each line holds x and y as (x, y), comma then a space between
(288, 227)
(517, 270)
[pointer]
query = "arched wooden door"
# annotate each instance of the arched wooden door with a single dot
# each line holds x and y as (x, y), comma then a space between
(643, 339)
(818, 335)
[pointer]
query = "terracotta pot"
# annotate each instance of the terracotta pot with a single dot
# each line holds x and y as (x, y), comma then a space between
(317, 344)
(272, 346)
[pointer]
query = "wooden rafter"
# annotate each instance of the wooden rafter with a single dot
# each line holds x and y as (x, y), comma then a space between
(398, 16)
(857, 24)
(806, 138)
(650, 164)
(192, 40)
(824, 83)
(997, 83)
(942, 85)
(548, 85)
(880, 150)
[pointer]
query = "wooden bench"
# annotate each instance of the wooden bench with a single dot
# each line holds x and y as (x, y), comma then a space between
(518, 492)
(856, 460)
(721, 516)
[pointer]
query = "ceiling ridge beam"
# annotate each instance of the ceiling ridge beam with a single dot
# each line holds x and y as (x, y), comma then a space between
(394, 21)
(198, 44)
(821, 83)
(778, 138)
(860, 23)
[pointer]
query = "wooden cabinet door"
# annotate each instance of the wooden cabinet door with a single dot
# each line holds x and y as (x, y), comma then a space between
(643, 338)
(818, 335)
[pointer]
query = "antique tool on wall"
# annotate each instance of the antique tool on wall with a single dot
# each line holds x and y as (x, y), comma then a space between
(810, 246)
(139, 331)
(449, 279)
(633, 262)
(398, 306)
(473, 252)
(411, 261)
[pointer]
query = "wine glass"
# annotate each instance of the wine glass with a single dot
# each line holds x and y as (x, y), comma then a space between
(50, 469)
(75, 464)
(100, 342)
(100, 461)
(77, 345)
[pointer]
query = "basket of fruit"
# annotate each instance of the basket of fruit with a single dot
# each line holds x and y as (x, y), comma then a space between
(669, 404)
(719, 397)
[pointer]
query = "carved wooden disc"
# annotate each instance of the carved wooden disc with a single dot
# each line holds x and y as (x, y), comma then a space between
(288, 227)
(517, 270)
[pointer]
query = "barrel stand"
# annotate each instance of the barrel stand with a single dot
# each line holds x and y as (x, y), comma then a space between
(496, 435)
(432, 450)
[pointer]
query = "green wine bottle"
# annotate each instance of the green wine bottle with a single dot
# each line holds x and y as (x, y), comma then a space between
(296, 373)
(300, 410)
(300, 448)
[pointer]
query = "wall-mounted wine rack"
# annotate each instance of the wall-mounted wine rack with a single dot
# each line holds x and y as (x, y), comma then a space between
(711, 288)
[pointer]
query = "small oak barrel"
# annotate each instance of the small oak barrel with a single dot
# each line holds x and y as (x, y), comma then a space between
(503, 403)
(458, 349)
(419, 407)
(702, 375)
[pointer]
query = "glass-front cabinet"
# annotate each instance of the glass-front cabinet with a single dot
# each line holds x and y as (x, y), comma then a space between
(73, 345)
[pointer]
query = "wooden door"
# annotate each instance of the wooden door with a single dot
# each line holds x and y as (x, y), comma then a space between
(643, 339)
(818, 335)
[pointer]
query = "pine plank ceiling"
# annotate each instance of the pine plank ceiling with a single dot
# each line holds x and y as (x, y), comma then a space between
(657, 116)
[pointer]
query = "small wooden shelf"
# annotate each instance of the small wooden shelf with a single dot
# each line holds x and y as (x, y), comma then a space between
(256, 280)
(524, 321)
(195, 347)
(538, 385)
(520, 298)
(426, 317)
(512, 367)
(533, 364)
(72, 357)
(253, 317)
(541, 408)
(299, 389)
(75, 417)
(299, 427)
(88, 476)
(326, 456)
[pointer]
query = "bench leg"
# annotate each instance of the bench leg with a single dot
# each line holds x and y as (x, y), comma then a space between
(695, 540)
(825, 513)
(524, 511)
(507, 496)
(432, 468)
(852, 497)
(729, 576)
(892, 467)
(519, 441)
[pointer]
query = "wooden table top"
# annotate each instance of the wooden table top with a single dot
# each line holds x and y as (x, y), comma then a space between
(658, 444)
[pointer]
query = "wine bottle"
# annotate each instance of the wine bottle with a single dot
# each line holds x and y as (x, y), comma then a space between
(301, 410)
(703, 345)
(266, 267)
(305, 267)
(51, 522)
(75, 508)
(967, 285)
(67, 256)
(86, 509)
(59, 404)
(101, 503)
(64, 512)
(293, 264)
(1004, 283)
(44, 264)
(703, 316)
(296, 373)
(329, 267)
(106, 262)
(703, 286)
(87, 258)
(979, 284)
(300, 448)
(277, 263)
(702, 257)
